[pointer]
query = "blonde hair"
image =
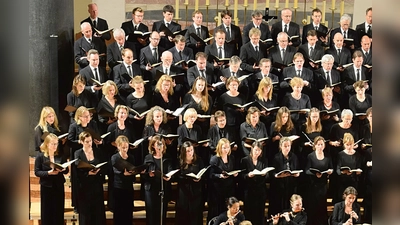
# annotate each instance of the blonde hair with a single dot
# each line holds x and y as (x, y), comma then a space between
(265, 82)
(326, 90)
(230, 80)
(254, 31)
(283, 140)
(296, 81)
(159, 83)
(120, 140)
(150, 115)
(348, 138)
(137, 80)
(204, 104)
(46, 141)
(189, 112)
(316, 139)
(250, 111)
(318, 126)
(107, 85)
(79, 113)
(221, 142)
(278, 121)
(119, 107)
(294, 198)
(156, 138)
(42, 121)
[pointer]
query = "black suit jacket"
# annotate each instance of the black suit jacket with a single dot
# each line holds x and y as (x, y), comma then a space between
(350, 34)
(309, 27)
(265, 33)
(164, 42)
(128, 28)
(191, 42)
(360, 28)
(344, 58)
(187, 54)
(193, 73)
(294, 29)
(273, 77)
(249, 56)
(275, 55)
(318, 53)
(213, 50)
(236, 37)
(306, 74)
(338, 215)
(81, 47)
(146, 56)
(88, 74)
(320, 78)
(349, 78)
(101, 26)
(122, 83)
(114, 53)
(367, 59)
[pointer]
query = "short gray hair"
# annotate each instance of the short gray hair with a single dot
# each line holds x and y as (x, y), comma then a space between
(347, 112)
(345, 17)
(326, 58)
(118, 32)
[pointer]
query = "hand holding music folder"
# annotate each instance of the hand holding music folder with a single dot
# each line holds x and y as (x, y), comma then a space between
(346, 169)
(261, 107)
(167, 175)
(317, 171)
(195, 143)
(198, 39)
(233, 172)
(122, 165)
(178, 111)
(263, 171)
(103, 32)
(199, 174)
(250, 141)
(95, 135)
(138, 141)
(189, 63)
(169, 33)
(137, 113)
(44, 135)
(212, 58)
(58, 166)
(288, 172)
(96, 82)
(88, 166)
(238, 106)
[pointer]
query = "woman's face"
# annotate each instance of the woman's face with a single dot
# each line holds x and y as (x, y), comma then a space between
(221, 122)
(348, 146)
(297, 205)
(254, 118)
(266, 89)
(191, 119)
(297, 89)
(347, 120)
(87, 143)
(360, 91)
(139, 87)
(285, 147)
(349, 199)
(85, 117)
(320, 145)
(200, 84)
(122, 114)
(256, 151)
(314, 116)
(225, 148)
(189, 152)
(233, 86)
(157, 117)
(234, 208)
(328, 97)
(80, 87)
(158, 146)
(52, 145)
(369, 117)
(165, 86)
(123, 147)
(111, 91)
(285, 117)
(50, 118)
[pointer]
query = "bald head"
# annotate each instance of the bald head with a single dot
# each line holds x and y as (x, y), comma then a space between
(166, 58)
(338, 40)
(86, 29)
(93, 10)
(365, 43)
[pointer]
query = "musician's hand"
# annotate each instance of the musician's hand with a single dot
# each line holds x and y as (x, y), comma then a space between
(94, 172)
(53, 172)
(148, 67)
(326, 117)
(308, 144)
(97, 142)
(275, 219)
(335, 143)
(167, 178)
(319, 175)
(255, 67)
(197, 180)
(63, 140)
(151, 173)
(236, 174)
(306, 83)
(162, 34)
(286, 215)
(127, 173)
(96, 88)
(369, 163)
(296, 174)
(251, 174)
(354, 215)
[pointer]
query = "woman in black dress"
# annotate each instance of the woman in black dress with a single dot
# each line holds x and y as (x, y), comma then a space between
(347, 212)
(140, 101)
(310, 130)
(165, 97)
(255, 189)
(221, 185)
(359, 103)
(189, 206)
(123, 183)
(107, 104)
(252, 128)
(294, 215)
(220, 130)
(315, 201)
(265, 97)
(90, 190)
(51, 182)
(347, 158)
(233, 216)
(328, 119)
(152, 180)
(79, 96)
(284, 184)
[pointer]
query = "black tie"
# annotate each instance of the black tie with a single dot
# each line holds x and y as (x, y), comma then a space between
(283, 54)
(228, 34)
(202, 73)
(311, 52)
(155, 54)
(233, 74)
(339, 52)
(316, 27)
(220, 52)
(90, 41)
(298, 73)
(285, 30)
(344, 34)
(256, 50)
(328, 78)
(96, 75)
(166, 71)
(221, 133)
(366, 54)
(94, 24)
(198, 31)
(167, 24)
(121, 48)
(130, 71)
(369, 31)
(257, 27)
(358, 75)
(180, 54)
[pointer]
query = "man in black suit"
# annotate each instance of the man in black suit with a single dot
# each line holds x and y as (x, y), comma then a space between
(252, 52)
(233, 71)
(181, 52)
(366, 27)
(136, 25)
(287, 26)
(297, 71)
(85, 43)
(199, 30)
(127, 67)
(281, 53)
(315, 25)
(347, 33)
(219, 49)
(265, 34)
(342, 55)
(233, 35)
(326, 76)
(265, 71)
(201, 69)
(150, 55)
(167, 42)
(354, 73)
(311, 50)
(96, 22)
(366, 50)
(94, 71)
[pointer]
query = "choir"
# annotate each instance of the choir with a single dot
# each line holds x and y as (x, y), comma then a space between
(302, 113)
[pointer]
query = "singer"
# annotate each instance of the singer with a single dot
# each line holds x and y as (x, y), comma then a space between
(233, 216)
(295, 215)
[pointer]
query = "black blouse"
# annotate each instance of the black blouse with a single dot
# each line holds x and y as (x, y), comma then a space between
(321, 165)
(120, 180)
(86, 98)
(188, 99)
(294, 104)
(194, 133)
(233, 117)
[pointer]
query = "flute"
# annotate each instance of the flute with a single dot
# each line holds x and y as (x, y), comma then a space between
(282, 214)
(233, 218)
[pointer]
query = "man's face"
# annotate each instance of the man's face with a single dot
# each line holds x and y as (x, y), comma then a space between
(201, 63)
(198, 19)
(94, 60)
(286, 16)
(220, 38)
(316, 17)
(137, 17)
(168, 16)
(338, 40)
(327, 65)
(128, 57)
(166, 59)
(257, 20)
(283, 41)
(358, 61)
(87, 31)
(366, 43)
(93, 11)
(255, 39)
(234, 67)
(180, 45)
(312, 40)
(368, 17)
(154, 39)
(298, 62)
(344, 24)
(227, 20)
(120, 39)
(265, 67)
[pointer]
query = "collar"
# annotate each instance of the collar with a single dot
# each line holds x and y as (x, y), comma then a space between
(283, 25)
(254, 46)
(165, 22)
(135, 24)
(256, 25)
(92, 68)
(309, 46)
(151, 46)
(316, 25)
(347, 31)
(280, 49)
(126, 65)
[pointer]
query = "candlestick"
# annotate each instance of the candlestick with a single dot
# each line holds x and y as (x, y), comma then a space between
(226, 3)
(177, 9)
(207, 2)
(314, 4)
(267, 4)
(186, 2)
(246, 3)
(219, 19)
(196, 5)
(341, 8)
(323, 10)
(333, 4)
(308, 19)
(295, 4)
(235, 10)
(277, 4)
(255, 5)
(287, 4)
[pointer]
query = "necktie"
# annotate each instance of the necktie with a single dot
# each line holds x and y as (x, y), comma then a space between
(298, 73)
(90, 41)
(283, 54)
(130, 71)
(256, 50)
(167, 24)
(198, 31)
(316, 28)
(233, 74)
(285, 30)
(202, 73)
(339, 52)
(311, 52)
(155, 54)
(344, 34)
(180, 54)
(134, 27)
(94, 24)
(166, 71)
(369, 30)
(228, 34)
(96, 75)
(221, 133)
(358, 75)
(220, 52)
(328, 78)
(366, 54)
(257, 27)
(121, 47)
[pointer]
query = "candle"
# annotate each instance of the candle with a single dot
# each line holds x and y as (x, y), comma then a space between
(342, 8)
(314, 5)
(277, 4)
(267, 4)
(287, 4)
(323, 10)
(196, 5)
(226, 3)
(295, 4)
(207, 2)
(219, 19)
(308, 19)
(333, 4)
(255, 5)
(235, 10)
(177, 9)
(246, 3)
(186, 2)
